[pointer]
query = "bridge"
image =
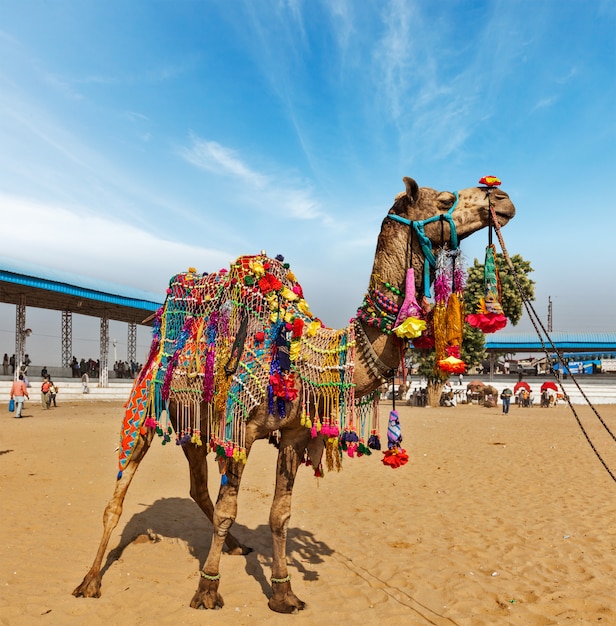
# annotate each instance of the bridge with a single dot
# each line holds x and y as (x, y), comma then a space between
(26, 285)
(586, 343)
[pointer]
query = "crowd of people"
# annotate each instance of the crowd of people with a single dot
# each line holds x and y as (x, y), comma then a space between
(83, 369)
(124, 369)
(9, 364)
(89, 367)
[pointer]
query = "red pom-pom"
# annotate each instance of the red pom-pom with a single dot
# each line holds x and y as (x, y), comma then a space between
(487, 322)
(396, 457)
(490, 181)
(298, 327)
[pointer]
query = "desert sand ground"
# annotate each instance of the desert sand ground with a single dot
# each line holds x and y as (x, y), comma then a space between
(495, 520)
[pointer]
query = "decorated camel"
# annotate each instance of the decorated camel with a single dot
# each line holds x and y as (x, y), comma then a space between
(238, 356)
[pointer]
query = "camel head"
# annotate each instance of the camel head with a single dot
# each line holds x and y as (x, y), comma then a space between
(470, 214)
(466, 210)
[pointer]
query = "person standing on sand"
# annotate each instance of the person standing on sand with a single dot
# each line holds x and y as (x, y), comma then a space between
(19, 391)
(506, 398)
(85, 379)
(53, 392)
(45, 395)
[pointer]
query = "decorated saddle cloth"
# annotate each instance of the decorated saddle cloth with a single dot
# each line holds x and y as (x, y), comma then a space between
(225, 343)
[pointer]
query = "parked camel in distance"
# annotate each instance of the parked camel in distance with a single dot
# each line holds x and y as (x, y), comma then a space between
(377, 353)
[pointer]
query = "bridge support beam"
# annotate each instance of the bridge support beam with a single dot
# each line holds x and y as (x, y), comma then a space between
(104, 353)
(132, 344)
(67, 338)
(20, 333)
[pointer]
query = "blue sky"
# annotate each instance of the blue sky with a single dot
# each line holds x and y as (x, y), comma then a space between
(139, 138)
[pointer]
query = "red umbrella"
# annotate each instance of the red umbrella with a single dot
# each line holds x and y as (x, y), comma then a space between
(521, 385)
(549, 385)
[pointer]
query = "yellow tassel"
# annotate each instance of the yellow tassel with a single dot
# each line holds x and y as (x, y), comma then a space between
(440, 331)
(294, 350)
(313, 327)
(288, 294)
(302, 305)
(257, 268)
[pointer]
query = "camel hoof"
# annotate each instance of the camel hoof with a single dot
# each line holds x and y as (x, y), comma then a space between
(90, 587)
(207, 596)
(284, 600)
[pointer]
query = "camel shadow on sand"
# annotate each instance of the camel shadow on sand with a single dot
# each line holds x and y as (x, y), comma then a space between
(180, 520)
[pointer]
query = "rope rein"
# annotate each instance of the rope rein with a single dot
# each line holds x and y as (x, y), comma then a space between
(536, 322)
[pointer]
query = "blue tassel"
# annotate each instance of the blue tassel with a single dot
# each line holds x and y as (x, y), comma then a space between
(119, 475)
(223, 479)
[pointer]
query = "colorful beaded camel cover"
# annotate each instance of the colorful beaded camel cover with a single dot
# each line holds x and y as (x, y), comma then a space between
(225, 342)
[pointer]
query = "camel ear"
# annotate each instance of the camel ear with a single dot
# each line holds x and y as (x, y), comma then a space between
(412, 189)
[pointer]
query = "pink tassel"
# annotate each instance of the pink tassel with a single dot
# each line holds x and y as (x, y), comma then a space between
(410, 307)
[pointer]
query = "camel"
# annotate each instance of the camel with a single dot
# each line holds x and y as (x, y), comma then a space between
(292, 415)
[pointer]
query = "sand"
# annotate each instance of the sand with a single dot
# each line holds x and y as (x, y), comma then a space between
(495, 520)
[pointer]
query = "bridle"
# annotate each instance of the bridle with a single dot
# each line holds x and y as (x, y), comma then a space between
(418, 228)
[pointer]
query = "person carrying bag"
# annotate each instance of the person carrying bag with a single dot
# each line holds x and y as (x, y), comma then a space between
(19, 391)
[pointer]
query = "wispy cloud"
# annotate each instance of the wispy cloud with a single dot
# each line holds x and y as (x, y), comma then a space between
(544, 103)
(270, 191)
(394, 55)
(572, 73)
(215, 158)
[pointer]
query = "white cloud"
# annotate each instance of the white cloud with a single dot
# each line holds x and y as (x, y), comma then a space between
(544, 103)
(213, 157)
(285, 195)
(96, 246)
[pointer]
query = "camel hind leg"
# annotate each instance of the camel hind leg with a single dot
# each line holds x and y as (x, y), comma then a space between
(90, 587)
(197, 462)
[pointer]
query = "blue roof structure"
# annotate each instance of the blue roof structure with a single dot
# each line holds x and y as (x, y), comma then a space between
(51, 289)
(571, 342)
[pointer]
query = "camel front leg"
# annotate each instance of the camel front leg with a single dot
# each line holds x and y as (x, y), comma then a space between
(292, 446)
(225, 512)
(90, 587)
(197, 462)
